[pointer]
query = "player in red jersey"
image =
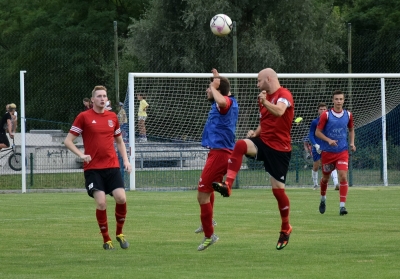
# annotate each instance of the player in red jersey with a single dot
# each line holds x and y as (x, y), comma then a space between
(99, 128)
(270, 143)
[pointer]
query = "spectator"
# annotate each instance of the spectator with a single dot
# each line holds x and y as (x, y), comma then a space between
(6, 126)
(142, 116)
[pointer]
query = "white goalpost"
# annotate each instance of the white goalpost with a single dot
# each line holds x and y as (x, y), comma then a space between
(178, 109)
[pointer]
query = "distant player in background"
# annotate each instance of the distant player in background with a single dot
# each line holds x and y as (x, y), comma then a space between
(142, 116)
(99, 128)
(270, 143)
(108, 105)
(219, 136)
(123, 121)
(333, 128)
(316, 151)
(86, 104)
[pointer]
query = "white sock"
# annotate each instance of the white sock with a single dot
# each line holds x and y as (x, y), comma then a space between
(323, 198)
(334, 177)
(341, 204)
(314, 175)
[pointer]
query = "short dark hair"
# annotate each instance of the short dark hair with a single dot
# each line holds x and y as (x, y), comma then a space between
(224, 86)
(321, 105)
(337, 92)
(142, 95)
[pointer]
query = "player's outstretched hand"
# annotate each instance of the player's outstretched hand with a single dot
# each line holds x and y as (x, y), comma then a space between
(215, 83)
(215, 72)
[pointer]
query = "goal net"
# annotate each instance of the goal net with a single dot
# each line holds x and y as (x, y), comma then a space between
(178, 109)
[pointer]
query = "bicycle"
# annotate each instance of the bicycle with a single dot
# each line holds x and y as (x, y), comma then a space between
(14, 161)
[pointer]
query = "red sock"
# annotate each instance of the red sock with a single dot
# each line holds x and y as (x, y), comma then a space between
(235, 161)
(101, 216)
(284, 207)
(120, 214)
(344, 188)
(206, 214)
(212, 199)
(324, 186)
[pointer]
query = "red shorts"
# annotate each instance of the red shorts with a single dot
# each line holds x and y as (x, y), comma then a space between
(214, 170)
(331, 161)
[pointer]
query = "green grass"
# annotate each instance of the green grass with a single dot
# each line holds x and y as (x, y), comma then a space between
(185, 178)
(55, 235)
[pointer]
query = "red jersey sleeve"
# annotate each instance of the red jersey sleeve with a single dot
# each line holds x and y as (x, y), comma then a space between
(77, 126)
(322, 121)
(228, 105)
(351, 121)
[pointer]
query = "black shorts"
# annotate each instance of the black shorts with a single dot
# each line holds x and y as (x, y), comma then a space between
(4, 139)
(106, 180)
(276, 163)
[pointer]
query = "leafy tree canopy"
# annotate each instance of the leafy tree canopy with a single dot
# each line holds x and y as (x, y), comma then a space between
(290, 35)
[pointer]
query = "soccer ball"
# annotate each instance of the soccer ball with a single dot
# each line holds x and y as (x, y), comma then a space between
(221, 25)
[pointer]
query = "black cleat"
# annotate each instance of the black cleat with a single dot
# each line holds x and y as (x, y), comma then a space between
(322, 207)
(283, 239)
(343, 211)
(222, 188)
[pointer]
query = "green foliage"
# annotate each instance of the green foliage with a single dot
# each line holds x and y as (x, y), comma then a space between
(65, 47)
(279, 36)
(375, 44)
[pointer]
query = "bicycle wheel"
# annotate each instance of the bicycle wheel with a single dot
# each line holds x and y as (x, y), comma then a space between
(15, 161)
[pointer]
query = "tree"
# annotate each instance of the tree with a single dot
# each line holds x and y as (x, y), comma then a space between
(375, 27)
(65, 47)
(290, 36)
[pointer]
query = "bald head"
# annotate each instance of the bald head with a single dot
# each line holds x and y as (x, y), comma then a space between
(268, 80)
(268, 72)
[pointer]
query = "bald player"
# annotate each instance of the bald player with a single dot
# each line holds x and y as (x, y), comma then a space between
(270, 143)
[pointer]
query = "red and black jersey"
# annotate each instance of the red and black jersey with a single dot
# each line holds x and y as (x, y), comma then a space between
(98, 131)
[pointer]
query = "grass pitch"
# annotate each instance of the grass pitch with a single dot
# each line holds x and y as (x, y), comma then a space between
(55, 235)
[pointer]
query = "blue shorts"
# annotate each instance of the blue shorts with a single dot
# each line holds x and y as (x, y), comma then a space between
(315, 155)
